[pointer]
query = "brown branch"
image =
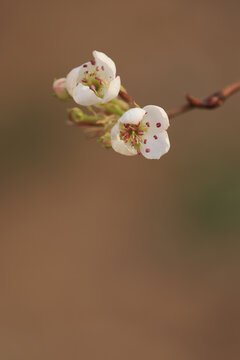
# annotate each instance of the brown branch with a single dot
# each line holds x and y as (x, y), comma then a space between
(126, 97)
(211, 102)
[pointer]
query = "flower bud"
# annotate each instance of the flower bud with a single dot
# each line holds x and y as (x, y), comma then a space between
(75, 114)
(59, 88)
(105, 140)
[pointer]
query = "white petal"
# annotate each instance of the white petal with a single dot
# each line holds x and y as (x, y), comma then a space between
(157, 118)
(119, 145)
(87, 66)
(113, 90)
(157, 147)
(132, 116)
(85, 96)
(108, 64)
(71, 80)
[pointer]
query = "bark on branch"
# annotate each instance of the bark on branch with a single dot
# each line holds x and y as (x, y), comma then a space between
(210, 102)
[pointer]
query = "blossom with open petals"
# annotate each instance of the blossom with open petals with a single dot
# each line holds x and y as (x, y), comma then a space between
(142, 131)
(94, 82)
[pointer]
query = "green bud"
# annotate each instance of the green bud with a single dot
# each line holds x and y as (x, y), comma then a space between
(105, 140)
(75, 114)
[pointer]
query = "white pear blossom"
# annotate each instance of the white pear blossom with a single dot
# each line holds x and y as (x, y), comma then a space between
(94, 82)
(142, 131)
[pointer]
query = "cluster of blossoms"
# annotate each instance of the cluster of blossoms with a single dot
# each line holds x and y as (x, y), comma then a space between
(109, 113)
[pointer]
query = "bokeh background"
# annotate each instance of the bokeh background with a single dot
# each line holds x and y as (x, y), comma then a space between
(104, 256)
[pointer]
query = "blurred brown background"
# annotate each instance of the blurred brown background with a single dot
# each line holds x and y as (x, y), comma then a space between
(104, 256)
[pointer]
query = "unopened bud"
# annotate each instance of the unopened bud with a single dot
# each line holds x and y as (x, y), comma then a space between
(75, 114)
(59, 88)
(105, 140)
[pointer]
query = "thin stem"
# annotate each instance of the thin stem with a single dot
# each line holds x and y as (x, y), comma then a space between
(126, 97)
(210, 102)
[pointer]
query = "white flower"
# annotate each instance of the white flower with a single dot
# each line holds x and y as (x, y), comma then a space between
(94, 82)
(59, 88)
(142, 131)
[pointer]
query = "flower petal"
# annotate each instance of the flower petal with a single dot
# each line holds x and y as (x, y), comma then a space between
(113, 90)
(154, 148)
(86, 67)
(71, 80)
(132, 116)
(157, 118)
(85, 96)
(107, 63)
(119, 145)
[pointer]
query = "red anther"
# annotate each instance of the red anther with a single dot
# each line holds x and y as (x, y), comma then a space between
(155, 137)
(85, 65)
(102, 68)
(148, 125)
(93, 87)
(145, 141)
(139, 152)
(140, 132)
(147, 150)
(84, 80)
(158, 124)
(93, 62)
(126, 126)
(97, 68)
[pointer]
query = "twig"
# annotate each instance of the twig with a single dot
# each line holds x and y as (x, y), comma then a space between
(211, 102)
(126, 97)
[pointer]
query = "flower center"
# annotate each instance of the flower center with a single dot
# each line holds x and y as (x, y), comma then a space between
(93, 78)
(132, 134)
